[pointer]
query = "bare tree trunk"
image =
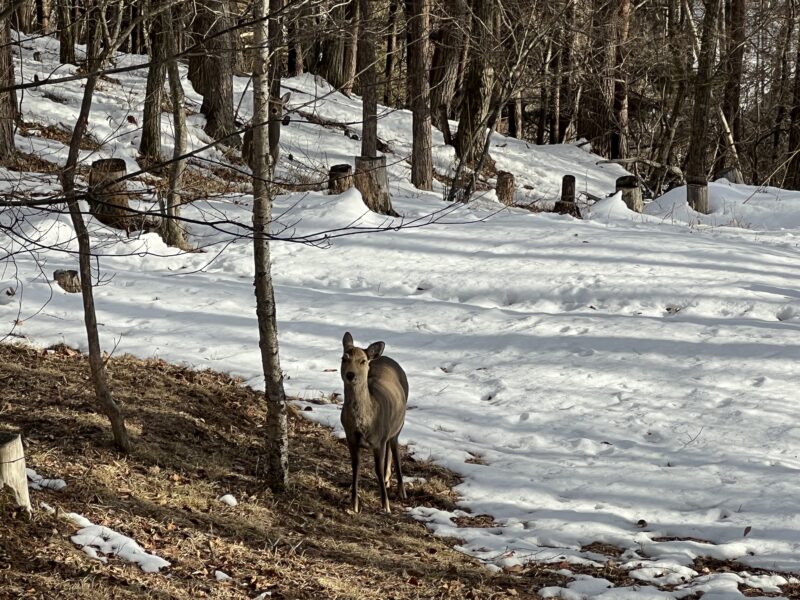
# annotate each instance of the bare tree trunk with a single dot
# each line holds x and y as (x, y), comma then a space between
(211, 69)
(596, 121)
(275, 31)
(66, 32)
(299, 40)
(366, 79)
(172, 231)
(448, 45)
(418, 19)
(478, 85)
(566, 100)
(619, 134)
(793, 179)
(104, 398)
(544, 97)
(391, 54)
(735, 65)
(696, 159)
(8, 100)
(277, 432)
(516, 125)
(150, 144)
(350, 57)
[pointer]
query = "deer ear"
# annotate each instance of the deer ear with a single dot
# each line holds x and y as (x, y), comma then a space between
(347, 341)
(375, 350)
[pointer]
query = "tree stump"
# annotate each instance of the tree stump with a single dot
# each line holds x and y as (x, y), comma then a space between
(108, 198)
(68, 280)
(340, 178)
(631, 192)
(372, 180)
(505, 187)
(697, 194)
(12, 467)
(566, 205)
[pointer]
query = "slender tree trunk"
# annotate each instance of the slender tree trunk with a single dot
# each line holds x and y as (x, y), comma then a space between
(418, 19)
(734, 65)
(793, 179)
(172, 231)
(696, 160)
(99, 379)
(596, 118)
(566, 101)
(275, 67)
(277, 432)
(66, 32)
(516, 125)
(544, 97)
(298, 40)
(391, 54)
(8, 100)
(366, 78)
(350, 58)
(619, 133)
(150, 145)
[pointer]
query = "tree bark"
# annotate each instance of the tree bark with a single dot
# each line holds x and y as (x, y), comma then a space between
(793, 178)
(99, 380)
(566, 102)
(619, 133)
(391, 55)
(12, 468)
(696, 159)
(448, 45)
(150, 145)
(366, 78)
(211, 69)
(67, 31)
(596, 118)
(275, 32)
(350, 56)
(478, 84)
(276, 469)
(8, 100)
(171, 231)
(418, 23)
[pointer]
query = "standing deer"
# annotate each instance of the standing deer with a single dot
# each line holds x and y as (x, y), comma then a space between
(374, 410)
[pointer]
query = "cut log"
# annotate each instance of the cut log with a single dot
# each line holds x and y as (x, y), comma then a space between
(108, 197)
(12, 468)
(566, 205)
(505, 187)
(631, 192)
(68, 279)
(340, 178)
(372, 181)
(697, 195)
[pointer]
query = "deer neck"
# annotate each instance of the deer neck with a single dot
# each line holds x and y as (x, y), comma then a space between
(358, 400)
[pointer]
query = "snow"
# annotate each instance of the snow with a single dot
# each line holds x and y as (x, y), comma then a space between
(229, 500)
(221, 576)
(37, 482)
(97, 540)
(628, 379)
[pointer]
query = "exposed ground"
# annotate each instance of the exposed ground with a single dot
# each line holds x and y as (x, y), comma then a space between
(197, 436)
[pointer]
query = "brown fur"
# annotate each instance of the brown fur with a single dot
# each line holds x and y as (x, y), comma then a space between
(375, 397)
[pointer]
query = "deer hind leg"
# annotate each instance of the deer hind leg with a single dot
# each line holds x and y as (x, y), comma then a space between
(387, 480)
(395, 451)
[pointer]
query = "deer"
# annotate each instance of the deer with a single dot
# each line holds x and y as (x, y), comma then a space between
(373, 413)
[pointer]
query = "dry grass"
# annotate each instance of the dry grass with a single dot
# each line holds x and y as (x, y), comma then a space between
(197, 436)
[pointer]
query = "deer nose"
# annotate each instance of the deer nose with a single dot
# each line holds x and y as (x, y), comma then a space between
(350, 376)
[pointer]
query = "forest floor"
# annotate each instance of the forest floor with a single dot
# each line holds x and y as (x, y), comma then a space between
(199, 435)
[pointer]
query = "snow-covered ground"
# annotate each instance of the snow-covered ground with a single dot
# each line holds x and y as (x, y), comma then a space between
(627, 379)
